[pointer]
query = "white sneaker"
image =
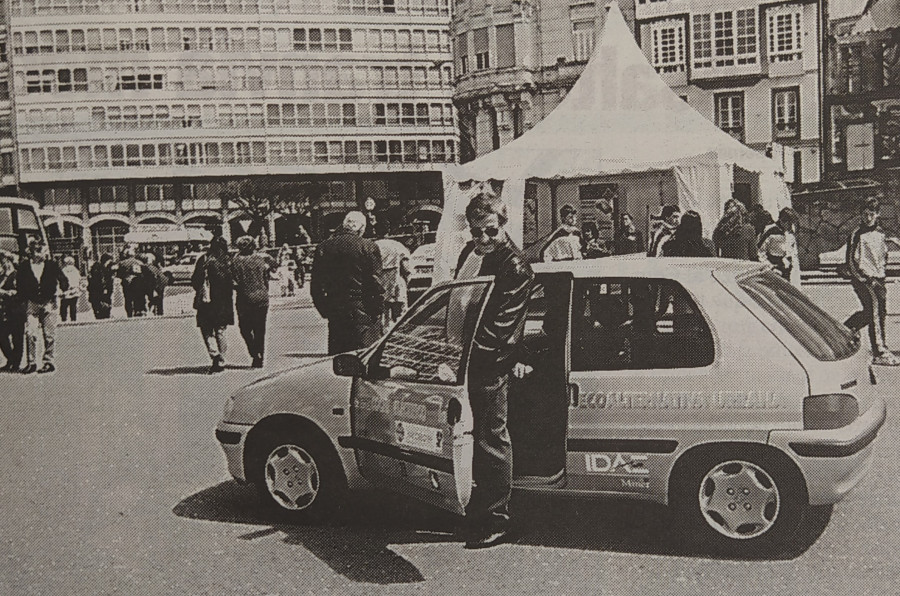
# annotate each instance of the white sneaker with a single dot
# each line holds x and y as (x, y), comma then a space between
(886, 358)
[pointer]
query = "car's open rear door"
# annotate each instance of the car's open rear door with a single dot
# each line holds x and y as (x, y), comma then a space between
(410, 414)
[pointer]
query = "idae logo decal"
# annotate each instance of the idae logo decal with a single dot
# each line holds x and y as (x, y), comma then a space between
(418, 436)
(631, 464)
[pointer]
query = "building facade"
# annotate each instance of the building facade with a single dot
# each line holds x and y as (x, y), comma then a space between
(515, 61)
(141, 111)
(752, 69)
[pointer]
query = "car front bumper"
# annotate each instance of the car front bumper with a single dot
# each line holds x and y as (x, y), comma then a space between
(833, 461)
(232, 438)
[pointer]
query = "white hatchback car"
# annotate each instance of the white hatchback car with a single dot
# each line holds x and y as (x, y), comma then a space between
(711, 385)
(180, 271)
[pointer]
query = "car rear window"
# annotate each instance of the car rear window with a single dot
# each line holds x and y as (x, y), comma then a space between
(821, 335)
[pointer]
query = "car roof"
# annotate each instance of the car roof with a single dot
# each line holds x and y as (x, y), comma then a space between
(639, 265)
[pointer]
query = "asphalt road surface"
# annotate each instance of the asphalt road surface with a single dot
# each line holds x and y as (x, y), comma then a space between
(111, 482)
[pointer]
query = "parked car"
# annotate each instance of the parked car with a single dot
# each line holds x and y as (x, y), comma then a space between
(181, 270)
(835, 259)
(421, 269)
(711, 385)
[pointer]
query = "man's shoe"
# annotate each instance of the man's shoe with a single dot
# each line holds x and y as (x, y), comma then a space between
(492, 538)
(31, 368)
(47, 368)
(886, 359)
(257, 362)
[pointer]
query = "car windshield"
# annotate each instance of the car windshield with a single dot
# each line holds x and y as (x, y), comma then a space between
(821, 335)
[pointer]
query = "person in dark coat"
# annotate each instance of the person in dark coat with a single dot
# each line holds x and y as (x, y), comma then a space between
(492, 361)
(688, 240)
(214, 300)
(12, 315)
(734, 237)
(251, 271)
(38, 281)
(155, 283)
(100, 287)
(346, 288)
(629, 239)
(131, 272)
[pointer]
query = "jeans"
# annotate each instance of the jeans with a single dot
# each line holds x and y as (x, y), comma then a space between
(872, 295)
(492, 462)
(216, 344)
(12, 338)
(68, 308)
(252, 323)
(41, 317)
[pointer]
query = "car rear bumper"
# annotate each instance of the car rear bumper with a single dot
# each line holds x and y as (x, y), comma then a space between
(833, 461)
(232, 438)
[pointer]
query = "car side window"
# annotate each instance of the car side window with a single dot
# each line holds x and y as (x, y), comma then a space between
(431, 343)
(637, 324)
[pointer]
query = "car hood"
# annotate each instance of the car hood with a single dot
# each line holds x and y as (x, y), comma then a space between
(310, 390)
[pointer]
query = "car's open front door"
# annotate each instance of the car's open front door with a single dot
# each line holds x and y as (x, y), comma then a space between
(410, 414)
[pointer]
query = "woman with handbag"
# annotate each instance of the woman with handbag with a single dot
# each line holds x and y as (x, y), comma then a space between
(214, 300)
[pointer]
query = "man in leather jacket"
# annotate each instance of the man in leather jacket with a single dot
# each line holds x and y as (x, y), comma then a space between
(492, 360)
(345, 286)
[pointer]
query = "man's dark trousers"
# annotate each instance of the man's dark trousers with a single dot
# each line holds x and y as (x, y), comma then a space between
(252, 323)
(352, 329)
(492, 463)
(12, 338)
(872, 294)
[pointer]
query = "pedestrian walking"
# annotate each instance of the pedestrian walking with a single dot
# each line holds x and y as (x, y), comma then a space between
(866, 264)
(778, 245)
(628, 238)
(38, 280)
(734, 236)
(155, 283)
(491, 362)
(68, 302)
(12, 315)
(670, 216)
(214, 300)
(688, 240)
(346, 288)
(100, 287)
(251, 271)
(131, 274)
(395, 272)
(299, 257)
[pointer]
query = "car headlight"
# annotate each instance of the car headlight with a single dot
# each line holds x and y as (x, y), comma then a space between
(831, 410)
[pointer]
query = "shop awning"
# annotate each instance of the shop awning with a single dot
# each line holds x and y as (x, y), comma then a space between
(168, 236)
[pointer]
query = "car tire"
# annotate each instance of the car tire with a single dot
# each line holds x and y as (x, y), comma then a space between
(297, 476)
(746, 501)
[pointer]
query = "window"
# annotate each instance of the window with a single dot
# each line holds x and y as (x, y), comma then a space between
(480, 43)
(430, 345)
(667, 39)
(785, 32)
(822, 336)
(730, 114)
(462, 51)
(702, 32)
(631, 324)
(786, 113)
(582, 36)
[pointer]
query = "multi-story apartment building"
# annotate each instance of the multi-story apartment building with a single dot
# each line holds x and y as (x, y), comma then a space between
(751, 66)
(7, 139)
(862, 102)
(136, 111)
(516, 60)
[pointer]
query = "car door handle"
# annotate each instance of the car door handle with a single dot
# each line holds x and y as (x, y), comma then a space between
(573, 395)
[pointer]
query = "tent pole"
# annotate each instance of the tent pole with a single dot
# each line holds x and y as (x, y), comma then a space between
(553, 206)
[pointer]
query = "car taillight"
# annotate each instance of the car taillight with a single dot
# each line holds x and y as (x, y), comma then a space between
(832, 410)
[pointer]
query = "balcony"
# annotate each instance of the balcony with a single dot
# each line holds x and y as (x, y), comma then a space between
(482, 82)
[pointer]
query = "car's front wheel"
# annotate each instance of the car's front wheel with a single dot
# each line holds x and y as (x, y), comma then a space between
(297, 475)
(743, 502)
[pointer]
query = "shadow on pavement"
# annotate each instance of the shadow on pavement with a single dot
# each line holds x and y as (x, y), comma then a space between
(357, 543)
(191, 370)
(305, 355)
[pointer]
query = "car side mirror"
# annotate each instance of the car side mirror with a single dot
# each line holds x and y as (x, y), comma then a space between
(348, 365)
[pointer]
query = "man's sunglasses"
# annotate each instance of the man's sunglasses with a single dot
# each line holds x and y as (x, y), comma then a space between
(491, 232)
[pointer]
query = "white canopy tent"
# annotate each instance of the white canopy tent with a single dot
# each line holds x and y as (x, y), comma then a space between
(620, 118)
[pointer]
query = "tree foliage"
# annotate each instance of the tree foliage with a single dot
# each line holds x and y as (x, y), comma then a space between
(258, 198)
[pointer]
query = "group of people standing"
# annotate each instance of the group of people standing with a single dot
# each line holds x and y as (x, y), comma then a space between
(569, 242)
(143, 283)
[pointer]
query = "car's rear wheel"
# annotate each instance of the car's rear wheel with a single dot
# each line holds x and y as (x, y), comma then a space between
(296, 475)
(743, 502)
